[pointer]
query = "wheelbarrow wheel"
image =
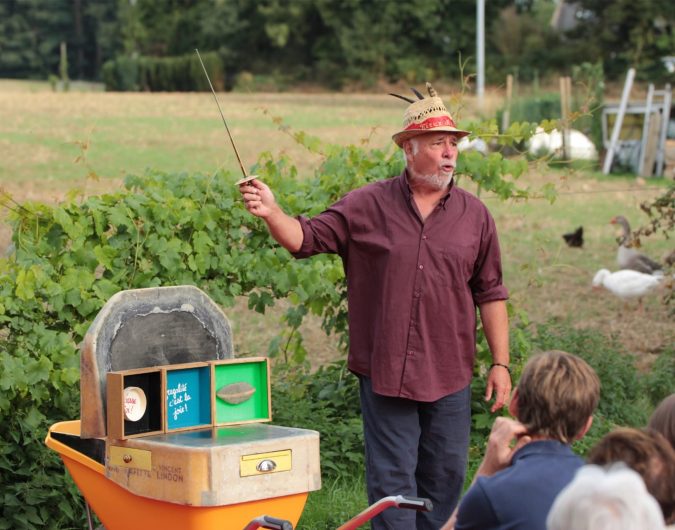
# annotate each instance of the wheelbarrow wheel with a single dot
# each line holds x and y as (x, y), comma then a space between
(265, 521)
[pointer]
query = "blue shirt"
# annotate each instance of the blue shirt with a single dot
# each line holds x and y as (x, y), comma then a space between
(520, 496)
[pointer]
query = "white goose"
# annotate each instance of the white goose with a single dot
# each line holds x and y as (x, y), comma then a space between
(626, 283)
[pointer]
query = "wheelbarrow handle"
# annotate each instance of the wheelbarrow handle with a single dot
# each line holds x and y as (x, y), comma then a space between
(400, 501)
(265, 521)
(415, 503)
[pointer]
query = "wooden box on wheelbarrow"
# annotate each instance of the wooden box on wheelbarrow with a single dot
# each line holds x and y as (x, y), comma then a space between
(198, 440)
(217, 466)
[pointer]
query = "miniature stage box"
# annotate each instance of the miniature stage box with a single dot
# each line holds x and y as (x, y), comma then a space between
(242, 391)
(180, 397)
(185, 433)
(135, 403)
(187, 396)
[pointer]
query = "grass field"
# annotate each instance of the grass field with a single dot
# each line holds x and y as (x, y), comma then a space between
(54, 142)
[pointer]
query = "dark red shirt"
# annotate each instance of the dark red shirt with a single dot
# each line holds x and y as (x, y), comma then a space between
(413, 285)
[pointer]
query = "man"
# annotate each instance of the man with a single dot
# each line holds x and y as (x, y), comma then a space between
(419, 255)
(529, 461)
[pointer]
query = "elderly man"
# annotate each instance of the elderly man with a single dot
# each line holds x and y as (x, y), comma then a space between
(420, 255)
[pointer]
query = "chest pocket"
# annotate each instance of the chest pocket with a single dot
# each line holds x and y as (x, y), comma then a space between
(458, 262)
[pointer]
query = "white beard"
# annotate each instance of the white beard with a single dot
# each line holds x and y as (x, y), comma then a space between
(436, 181)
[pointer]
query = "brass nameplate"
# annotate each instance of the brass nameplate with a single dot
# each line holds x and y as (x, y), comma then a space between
(127, 457)
(265, 463)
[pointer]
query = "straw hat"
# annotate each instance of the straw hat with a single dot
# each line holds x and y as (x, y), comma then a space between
(425, 115)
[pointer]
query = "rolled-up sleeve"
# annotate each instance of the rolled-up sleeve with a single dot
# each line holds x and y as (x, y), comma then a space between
(486, 283)
(326, 233)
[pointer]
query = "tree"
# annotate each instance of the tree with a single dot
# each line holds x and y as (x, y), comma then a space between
(626, 33)
(31, 32)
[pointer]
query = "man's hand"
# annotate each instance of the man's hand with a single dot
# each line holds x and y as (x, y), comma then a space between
(501, 446)
(258, 198)
(499, 382)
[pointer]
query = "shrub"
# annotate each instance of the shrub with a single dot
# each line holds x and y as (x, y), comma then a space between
(535, 108)
(326, 401)
(181, 73)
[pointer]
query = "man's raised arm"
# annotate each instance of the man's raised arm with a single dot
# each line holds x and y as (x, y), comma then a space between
(259, 200)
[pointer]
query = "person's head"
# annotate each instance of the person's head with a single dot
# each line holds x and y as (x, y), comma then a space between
(663, 419)
(647, 452)
(425, 116)
(605, 499)
(431, 158)
(556, 396)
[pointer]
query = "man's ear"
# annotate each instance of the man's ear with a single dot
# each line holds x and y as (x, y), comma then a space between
(582, 432)
(513, 405)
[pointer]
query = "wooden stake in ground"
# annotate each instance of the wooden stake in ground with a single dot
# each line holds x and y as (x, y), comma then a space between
(565, 96)
(506, 117)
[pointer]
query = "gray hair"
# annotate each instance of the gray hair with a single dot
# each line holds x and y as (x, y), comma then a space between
(613, 498)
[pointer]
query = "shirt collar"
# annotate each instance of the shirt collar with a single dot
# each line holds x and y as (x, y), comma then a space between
(542, 447)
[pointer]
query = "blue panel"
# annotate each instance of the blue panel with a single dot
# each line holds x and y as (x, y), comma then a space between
(188, 398)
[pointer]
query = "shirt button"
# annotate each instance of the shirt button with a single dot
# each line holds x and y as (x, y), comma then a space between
(411, 353)
(421, 267)
(425, 236)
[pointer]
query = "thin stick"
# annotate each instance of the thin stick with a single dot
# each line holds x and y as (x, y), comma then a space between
(222, 116)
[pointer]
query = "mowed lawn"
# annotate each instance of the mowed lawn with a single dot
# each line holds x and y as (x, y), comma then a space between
(53, 142)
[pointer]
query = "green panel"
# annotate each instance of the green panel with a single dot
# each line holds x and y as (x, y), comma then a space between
(256, 408)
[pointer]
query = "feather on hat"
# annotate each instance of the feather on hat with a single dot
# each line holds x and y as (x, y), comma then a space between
(425, 115)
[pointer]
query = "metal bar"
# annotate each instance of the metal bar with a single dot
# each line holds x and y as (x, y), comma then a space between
(222, 116)
(480, 52)
(400, 501)
(607, 166)
(90, 519)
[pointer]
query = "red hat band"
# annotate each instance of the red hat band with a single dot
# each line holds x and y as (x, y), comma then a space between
(431, 123)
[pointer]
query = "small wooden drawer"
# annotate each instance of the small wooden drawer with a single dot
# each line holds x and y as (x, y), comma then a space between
(265, 463)
(128, 457)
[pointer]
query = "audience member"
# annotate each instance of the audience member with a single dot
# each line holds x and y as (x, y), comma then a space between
(605, 499)
(663, 419)
(649, 454)
(529, 461)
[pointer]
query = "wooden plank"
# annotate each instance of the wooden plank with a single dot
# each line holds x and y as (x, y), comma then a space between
(651, 145)
(506, 116)
(646, 169)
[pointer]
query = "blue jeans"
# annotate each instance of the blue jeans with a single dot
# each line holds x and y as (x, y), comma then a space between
(416, 449)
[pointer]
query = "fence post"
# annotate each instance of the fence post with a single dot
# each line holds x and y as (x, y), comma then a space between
(506, 116)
